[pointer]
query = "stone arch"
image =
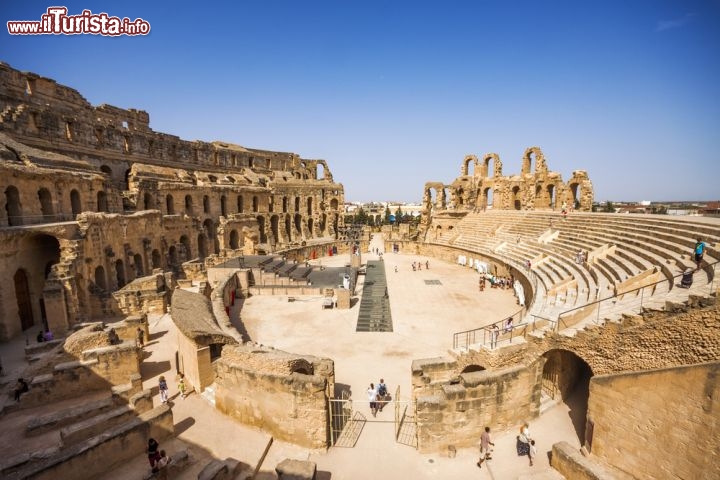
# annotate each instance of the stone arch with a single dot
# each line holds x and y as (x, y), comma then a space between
(23, 299)
(497, 165)
(202, 246)
(106, 170)
(234, 239)
(185, 242)
(102, 204)
(172, 256)
(334, 204)
(488, 198)
(240, 204)
(576, 192)
(261, 229)
(170, 204)
(138, 261)
(120, 273)
(223, 206)
(288, 228)
(274, 228)
(188, 205)
(472, 368)
(533, 153)
(566, 378)
(148, 201)
(465, 169)
(100, 280)
(75, 203)
(13, 206)
(551, 195)
(516, 201)
(206, 204)
(211, 233)
(460, 197)
(155, 256)
(46, 205)
(319, 171)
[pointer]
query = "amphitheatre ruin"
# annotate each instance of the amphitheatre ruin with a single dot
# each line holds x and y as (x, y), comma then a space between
(237, 268)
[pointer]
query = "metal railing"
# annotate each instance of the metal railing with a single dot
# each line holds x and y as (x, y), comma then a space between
(484, 335)
(605, 306)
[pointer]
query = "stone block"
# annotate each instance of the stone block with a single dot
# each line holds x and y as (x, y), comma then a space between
(290, 469)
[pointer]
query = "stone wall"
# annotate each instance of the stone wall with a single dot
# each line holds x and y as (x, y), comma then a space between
(285, 394)
(659, 423)
(99, 454)
(134, 201)
(458, 410)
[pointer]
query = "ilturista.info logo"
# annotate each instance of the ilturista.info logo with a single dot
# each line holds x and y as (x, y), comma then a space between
(56, 21)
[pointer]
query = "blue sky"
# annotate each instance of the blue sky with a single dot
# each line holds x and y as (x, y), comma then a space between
(395, 94)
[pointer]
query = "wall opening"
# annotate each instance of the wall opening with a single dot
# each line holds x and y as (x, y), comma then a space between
(120, 273)
(138, 261)
(24, 302)
(147, 201)
(102, 204)
(169, 205)
(566, 378)
(100, 280)
(472, 368)
(188, 205)
(255, 204)
(240, 206)
(206, 204)
(202, 246)
(274, 221)
(12, 206)
(234, 239)
(261, 227)
(46, 206)
(156, 262)
(517, 204)
(185, 242)
(75, 204)
(223, 206)
(309, 206)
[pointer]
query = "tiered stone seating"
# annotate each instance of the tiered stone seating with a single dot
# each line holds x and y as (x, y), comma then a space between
(626, 250)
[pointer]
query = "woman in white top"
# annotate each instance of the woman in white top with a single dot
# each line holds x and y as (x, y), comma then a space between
(372, 398)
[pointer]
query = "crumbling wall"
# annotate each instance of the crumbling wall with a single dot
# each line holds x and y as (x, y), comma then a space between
(284, 394)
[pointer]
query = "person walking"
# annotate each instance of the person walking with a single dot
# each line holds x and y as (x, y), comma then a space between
(381, 394)
(140, 335)
(485, 443)
(494, 334)
(523, 441)
(699, 251)
(153, 453)
(372, 398)
(181, 386)
(532, 453)
(163, 387)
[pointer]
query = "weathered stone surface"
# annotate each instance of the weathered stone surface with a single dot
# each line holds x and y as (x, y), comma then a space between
(290, 469)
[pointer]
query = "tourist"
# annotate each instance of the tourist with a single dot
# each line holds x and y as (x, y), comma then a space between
(181, 386)
(20, 387)
(372, 398)
(699, 252)
(427, 265)
(113, 337)
(532, 453)
(523, 440)
(48, 335)
(381, 394)
(140, 337)
(509, 325)
(40, 337)
(485, 443)
(494, 334)
(395, 268)
(153, 453)
(162, 386)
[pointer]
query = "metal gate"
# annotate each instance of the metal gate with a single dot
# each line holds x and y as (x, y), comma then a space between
(345, 425)
(405, 420)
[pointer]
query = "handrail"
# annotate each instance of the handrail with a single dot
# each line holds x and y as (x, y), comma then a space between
(468, 334)
(641, 289)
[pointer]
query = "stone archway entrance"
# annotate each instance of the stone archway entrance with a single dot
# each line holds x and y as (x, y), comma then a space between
(24, 303)
(566, 379)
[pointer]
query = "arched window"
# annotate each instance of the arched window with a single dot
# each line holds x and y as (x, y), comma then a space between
(46, 207)
(75, 203)
(102, 205)
(12, 206)
(170, 204)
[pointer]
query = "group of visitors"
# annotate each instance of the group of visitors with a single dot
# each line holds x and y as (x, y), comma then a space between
(495, 282)
(378, 396)
(44, 336)
(158, 458)
(163, 387)
(525, 445)
(418, 265)
(581, 257)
